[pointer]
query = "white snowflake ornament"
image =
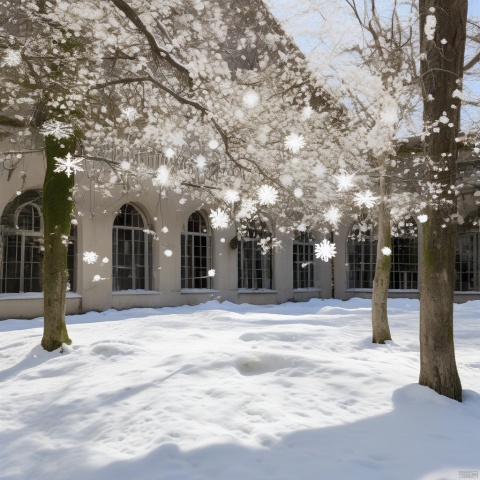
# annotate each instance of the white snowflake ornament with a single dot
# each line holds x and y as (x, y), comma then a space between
(219, 219)
(231, 196)
(68, 164)
(90, 257)
(325, 250)
(344, 181)
(267, 195)
(56, 129)
(366, 199)
(294, 142)
(251, 98)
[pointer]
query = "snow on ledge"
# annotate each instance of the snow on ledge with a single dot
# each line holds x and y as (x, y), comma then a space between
(198, 290)
(256, 290)
(31, 296)
(301, 290)
(135, 292)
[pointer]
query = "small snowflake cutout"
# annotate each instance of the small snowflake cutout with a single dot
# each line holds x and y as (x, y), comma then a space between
(90, 257)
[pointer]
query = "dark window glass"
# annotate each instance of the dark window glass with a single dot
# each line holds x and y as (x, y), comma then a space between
(196, 253)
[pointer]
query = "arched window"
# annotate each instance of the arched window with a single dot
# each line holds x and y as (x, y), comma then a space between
(21, 245)
(362, 256)
(22, 250)
(255, 262)
(303, 256)
(196, 253)
(467, 260)
(132, 251)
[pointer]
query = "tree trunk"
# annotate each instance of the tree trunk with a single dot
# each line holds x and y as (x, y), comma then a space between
(381, 281)
(57, 208)
(441, 73)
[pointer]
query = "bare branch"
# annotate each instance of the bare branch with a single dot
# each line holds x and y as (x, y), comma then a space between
(160, 53)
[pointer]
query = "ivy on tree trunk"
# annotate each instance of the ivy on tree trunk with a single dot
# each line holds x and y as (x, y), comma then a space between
(57, 206)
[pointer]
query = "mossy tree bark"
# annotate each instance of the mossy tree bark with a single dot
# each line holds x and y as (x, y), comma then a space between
(381, 281)
(441, 73)
(57, 209)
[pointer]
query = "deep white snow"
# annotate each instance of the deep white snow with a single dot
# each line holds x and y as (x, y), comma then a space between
(219, 391)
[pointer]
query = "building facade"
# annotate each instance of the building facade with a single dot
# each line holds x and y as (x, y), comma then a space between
(135, 249)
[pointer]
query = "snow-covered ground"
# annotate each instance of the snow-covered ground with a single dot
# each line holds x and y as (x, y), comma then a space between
(220, 391)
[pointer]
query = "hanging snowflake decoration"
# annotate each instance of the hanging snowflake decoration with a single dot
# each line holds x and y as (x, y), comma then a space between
(294, 142)
(325, 250)
(163, 176)
(12, 58)
(90, 257)
(267, 195)
(168, 253)
(231, 196)
(344, 181)
(211, 272)
(332, 215)
(56, 129)
(251, 98)
(68, 164)
(366, 199)
(219, 219)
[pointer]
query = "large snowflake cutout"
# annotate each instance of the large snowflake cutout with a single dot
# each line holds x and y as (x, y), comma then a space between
(267, 195)
(56, 129)
(366, 199)
(163, 176)
(68, 164)
(325, 250)
(219, 219)
(294, 142)
(344, 181)
(332, 215)
(231, 196)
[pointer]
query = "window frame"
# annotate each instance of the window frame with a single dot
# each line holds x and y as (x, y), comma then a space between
(251, 243)
(137, 234)
(192, 263)
(360, 274)
(303, 276)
